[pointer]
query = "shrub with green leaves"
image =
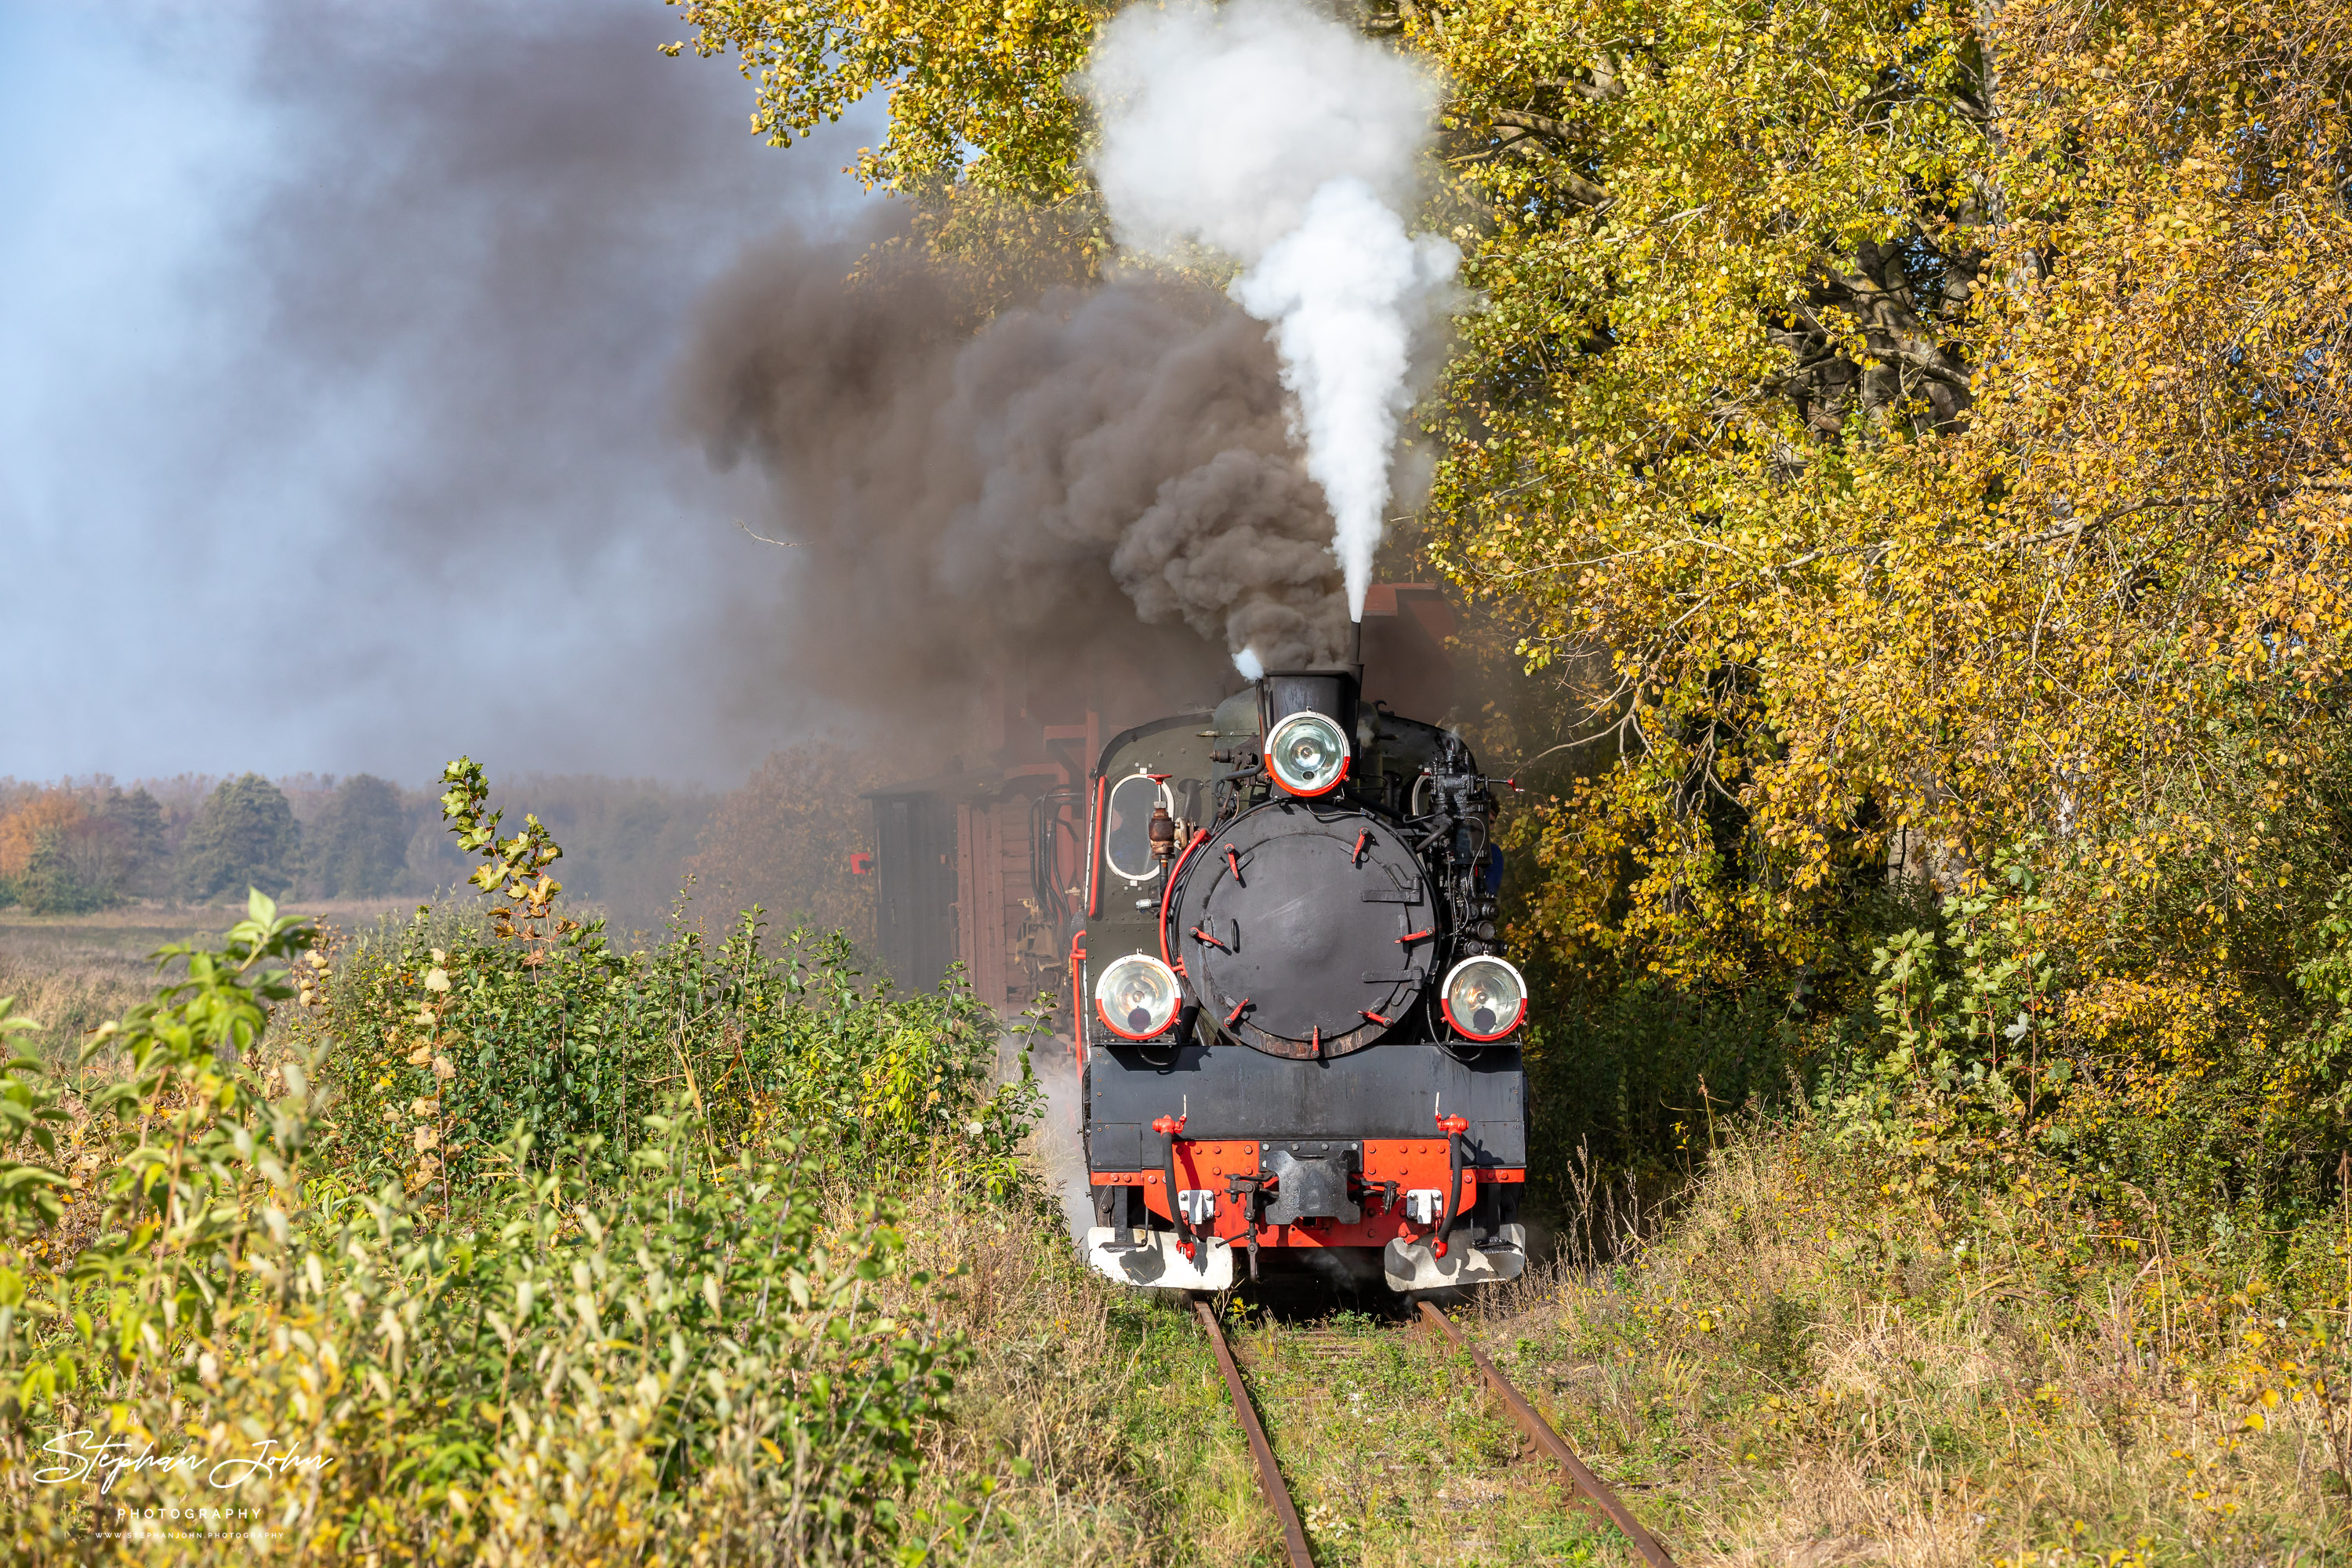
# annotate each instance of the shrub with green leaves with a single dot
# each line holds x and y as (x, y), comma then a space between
(447, 1035)
(452, 1028)
(489, 1243)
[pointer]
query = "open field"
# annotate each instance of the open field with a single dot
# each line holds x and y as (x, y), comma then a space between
(71, 973)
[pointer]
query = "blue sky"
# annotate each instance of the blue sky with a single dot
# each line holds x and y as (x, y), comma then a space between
(335, 356)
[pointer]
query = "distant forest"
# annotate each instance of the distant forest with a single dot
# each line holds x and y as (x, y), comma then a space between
(79, 846)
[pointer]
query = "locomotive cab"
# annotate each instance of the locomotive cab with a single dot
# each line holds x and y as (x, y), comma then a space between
(1295, 1027)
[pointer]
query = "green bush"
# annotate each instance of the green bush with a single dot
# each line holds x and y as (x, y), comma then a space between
(623, 1352)
(572, 1039)
(451, 1029)
(642, 1318)
(1986, 1053)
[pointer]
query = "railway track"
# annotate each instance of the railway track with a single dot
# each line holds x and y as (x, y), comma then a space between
(1588, 1490)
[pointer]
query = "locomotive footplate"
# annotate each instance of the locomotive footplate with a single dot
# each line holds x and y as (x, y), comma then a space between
(1377, 1192)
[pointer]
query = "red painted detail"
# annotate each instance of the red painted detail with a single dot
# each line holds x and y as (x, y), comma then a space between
(1235, 860)
(1168, 891)
(1203, 1163)
(1454, 1124)
(1094, 853)
(1212, 942)
(1408, 938)
(1319, 1039)
(1436, 1250)
(1375, 1017)
(1356, 856)
(861, 862)
(1160, 778)
(1233, 1016)
(1077, 994)
(1143, 1178)
(1169, 1126)
(1206, 1162)
(1446, 1007)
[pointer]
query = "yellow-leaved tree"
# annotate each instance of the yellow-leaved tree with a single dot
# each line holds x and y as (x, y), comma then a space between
(1933, 414)
(983, 133)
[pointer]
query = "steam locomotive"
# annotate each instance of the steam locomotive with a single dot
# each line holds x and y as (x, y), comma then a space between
(1301, 1032)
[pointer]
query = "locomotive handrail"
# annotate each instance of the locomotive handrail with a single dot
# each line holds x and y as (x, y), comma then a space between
(1078, 1005)
(1095, 849)
(1168, 892)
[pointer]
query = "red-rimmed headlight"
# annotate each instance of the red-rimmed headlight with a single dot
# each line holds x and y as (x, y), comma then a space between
(1483, 999)
(1307, 753)
(1136, 996)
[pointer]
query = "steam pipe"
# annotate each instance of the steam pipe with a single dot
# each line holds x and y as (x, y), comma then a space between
(1355, 651)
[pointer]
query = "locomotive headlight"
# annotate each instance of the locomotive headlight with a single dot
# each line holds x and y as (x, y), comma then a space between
(1484, 998)
(1137, 996)
(1308, 753)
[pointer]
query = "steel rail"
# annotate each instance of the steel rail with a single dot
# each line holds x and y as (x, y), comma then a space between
(1269, 1477)
(1536, 1427)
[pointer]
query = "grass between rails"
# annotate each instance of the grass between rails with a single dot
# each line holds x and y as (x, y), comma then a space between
(1092, 1425)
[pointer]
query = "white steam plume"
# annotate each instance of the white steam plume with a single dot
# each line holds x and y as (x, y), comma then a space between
(1292, 143)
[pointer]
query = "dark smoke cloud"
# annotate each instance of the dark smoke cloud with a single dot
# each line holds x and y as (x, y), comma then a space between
(375, 389)
(358, 390)
(1094, 459)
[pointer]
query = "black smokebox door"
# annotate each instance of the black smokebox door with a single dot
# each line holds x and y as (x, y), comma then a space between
(1313, 933)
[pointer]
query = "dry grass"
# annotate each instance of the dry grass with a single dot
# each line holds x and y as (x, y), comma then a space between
(1088, 1429)
(1804, 1370)
(1093, 1426)
(1807, 1365)
(72, 973)
(67, 986)
(1396, 1454)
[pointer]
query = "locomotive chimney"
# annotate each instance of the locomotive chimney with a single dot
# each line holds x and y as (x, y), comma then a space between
(1356, 649)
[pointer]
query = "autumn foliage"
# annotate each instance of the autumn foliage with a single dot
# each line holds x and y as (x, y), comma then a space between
(1938, 415)
(1909, 443)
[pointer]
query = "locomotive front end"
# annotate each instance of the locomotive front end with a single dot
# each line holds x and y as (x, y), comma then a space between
(1299, 1031)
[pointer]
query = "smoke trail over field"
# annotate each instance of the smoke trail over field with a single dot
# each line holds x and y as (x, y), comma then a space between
(1290, 142)
(1098, 457)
